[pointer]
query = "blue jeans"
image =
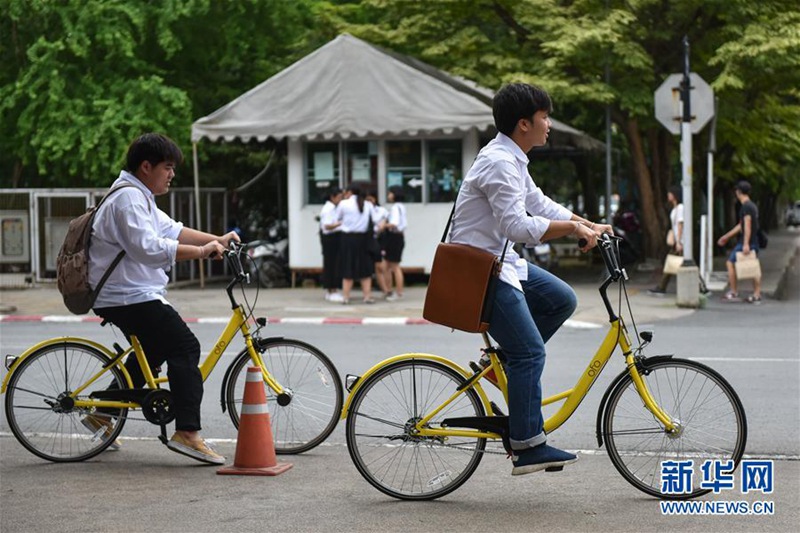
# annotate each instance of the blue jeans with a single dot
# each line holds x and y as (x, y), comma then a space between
(522, 322)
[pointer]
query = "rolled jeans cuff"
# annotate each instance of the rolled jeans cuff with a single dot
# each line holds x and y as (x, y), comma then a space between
(536, 440)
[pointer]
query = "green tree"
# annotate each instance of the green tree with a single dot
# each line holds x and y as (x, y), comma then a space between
(79, 79)
(748, 51)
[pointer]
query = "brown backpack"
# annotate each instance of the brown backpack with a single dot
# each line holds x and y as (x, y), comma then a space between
(72, 262)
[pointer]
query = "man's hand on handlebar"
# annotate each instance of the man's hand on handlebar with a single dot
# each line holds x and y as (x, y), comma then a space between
(213, 250)
(229, 237)
(588, 235)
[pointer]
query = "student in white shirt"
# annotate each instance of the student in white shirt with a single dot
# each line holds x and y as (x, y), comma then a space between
(675, 200)
(354, 213)
(394, 241)
(376, 245)
(530, 304)
(133, 297)
(331, 238)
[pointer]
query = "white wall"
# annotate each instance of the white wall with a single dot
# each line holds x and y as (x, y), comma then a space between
(425, 221)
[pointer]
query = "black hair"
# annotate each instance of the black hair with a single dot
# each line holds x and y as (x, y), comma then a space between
(355, 188)
(677, 192)
(154, 148)
(516, 101)
(333, 191)
(399, 193)
(743, 186)
(374, 194)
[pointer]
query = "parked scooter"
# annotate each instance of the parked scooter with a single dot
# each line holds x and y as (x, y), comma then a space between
(540, 255)
(269, 258)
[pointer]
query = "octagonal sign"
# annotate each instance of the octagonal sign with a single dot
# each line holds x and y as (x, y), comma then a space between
(668, 103)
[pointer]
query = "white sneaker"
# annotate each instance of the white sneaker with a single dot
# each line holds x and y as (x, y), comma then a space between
(335, 297)
(394, 297)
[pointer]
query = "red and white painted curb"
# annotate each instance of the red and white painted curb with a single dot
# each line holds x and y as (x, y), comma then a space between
(312, 321)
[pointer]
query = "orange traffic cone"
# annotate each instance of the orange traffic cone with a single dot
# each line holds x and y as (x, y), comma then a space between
(255, 450)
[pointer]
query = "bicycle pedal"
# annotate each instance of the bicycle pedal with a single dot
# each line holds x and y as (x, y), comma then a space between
(554, 469)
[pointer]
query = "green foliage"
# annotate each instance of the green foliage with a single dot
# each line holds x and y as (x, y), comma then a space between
(79, 79)
(747, 50)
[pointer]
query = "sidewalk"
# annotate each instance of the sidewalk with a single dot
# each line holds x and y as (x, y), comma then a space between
(307, 305)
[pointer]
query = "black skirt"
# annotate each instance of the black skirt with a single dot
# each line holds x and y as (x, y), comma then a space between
(356, 262)
(331, 271)
(393, 244)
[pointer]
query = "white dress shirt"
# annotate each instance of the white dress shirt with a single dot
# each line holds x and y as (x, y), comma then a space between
(397, 216)
(492, 203)
(129, 220)
(327, 217)
(676, 218)
(379, 214)
(353, 220)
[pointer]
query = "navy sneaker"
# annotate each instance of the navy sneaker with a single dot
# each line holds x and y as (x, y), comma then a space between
(542, 457)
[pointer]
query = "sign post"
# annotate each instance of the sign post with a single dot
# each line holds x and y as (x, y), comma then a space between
(674, 108)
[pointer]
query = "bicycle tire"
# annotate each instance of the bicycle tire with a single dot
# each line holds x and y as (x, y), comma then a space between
(51, 429)
(712, 418)
(316, 403)
(399, 464)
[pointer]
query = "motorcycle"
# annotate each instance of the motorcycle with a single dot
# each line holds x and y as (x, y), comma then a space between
(269, 258)
(540, 255)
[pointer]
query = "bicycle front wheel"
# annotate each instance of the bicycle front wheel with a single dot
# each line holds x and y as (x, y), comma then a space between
(307, 414)
(710, 417)
(41, 414)
(381, 437)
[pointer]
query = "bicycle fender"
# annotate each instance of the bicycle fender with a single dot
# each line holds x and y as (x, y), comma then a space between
(644, 364)
(260, 344)
(60, 340)
(406, 356)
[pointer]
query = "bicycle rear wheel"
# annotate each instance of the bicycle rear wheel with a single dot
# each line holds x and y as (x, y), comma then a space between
(42, 416)
(381, 440)
(712, 424)
(309, 413)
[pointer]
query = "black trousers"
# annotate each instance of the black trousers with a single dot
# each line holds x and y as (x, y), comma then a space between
(165, 337)
(331, 262)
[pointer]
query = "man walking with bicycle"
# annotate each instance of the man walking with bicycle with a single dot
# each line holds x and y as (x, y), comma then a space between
(499, 201)
(133, 297)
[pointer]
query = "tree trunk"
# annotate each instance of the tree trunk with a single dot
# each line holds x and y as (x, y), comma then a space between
(651, 227)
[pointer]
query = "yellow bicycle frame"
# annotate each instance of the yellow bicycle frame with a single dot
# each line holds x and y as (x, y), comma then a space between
(617, 336)
(237, 323)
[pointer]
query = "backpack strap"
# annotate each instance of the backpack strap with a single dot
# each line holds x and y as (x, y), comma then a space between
(121, 254)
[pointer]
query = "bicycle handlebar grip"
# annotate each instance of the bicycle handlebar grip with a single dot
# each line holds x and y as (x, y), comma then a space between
(582, 243)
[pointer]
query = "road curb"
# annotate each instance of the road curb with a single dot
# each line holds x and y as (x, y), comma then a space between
(312, 321)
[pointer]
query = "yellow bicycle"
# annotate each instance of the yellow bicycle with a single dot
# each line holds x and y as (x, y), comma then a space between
(417, 424)
(53, 386)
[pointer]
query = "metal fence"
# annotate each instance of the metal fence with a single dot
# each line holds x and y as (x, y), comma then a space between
(33, 223)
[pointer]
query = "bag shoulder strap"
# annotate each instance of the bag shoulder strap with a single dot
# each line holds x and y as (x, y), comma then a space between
(121, 254)
(450, 220)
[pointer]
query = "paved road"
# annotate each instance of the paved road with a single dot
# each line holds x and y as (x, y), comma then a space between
(146, 487)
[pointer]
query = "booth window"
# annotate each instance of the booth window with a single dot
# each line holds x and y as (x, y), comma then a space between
(444, 169)
(404, 168)
(322, 170)
(361, 163)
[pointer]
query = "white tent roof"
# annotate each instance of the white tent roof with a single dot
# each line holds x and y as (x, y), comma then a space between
(349, 88)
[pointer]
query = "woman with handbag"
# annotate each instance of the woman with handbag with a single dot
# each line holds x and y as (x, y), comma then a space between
(394, 242)
(530, 304)
(374, 241)
(674, 238)
(356, 263)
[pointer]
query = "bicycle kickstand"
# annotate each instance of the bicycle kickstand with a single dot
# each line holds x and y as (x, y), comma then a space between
(163, 436)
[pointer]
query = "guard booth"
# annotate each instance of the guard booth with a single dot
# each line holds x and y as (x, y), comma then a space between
(352, 111)
(34, 222)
